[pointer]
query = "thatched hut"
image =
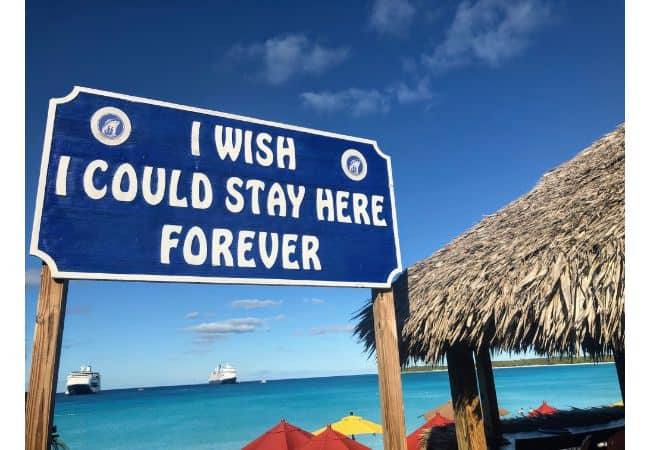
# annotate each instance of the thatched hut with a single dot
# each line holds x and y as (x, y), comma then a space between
(545, 273)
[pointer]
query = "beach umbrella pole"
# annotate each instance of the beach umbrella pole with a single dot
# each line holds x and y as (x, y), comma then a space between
(44, 369)
(388, 368)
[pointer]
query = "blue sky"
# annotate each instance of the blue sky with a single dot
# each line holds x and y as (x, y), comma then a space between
(474, 101)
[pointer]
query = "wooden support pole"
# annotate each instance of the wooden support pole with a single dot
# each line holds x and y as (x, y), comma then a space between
(619, 359)
(45, 361)
(390, 382)
(488, 393)
(470, 433)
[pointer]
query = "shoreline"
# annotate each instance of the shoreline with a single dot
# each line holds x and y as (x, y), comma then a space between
(519, 367)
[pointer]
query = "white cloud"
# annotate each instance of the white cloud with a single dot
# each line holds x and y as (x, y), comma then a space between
(209, 332)
(362, 102)
(255, 304)
(391, 16)
(192, 315)
(489, 31)
(355, 102)
(331, 329)
(420, 92)
(314, 301)
(230, 326)
(32, 277)
(284, 57)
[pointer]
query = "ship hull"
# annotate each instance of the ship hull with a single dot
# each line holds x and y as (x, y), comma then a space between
(80, 389)
(226, 381)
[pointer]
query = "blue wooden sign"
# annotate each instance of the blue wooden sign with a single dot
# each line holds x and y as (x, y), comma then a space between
(139, 189)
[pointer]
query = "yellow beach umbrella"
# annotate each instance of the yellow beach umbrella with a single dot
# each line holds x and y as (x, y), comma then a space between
(618, 404)
(352, 424)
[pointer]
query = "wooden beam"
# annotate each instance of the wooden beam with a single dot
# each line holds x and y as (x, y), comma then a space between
(45, 361)
(389, 370)
(470, 432)
(619, 359)
(488, 393)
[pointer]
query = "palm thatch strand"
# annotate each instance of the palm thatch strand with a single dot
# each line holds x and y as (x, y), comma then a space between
(545, 273)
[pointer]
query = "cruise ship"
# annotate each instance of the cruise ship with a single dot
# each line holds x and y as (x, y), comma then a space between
(85, 381)
(224, 374)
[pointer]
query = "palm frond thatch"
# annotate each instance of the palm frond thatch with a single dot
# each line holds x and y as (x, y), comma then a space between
(545, 273)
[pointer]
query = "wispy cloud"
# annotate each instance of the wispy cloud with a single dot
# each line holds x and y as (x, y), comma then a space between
(288, 56)
(317, 331)
(314, 301)
(230, 326)
(392, 17)
(362, 102)
(420, 91)
(209, 332)
(32, 277)
(488, 31)
(353, 101)
(192, 315)
(255, 303)
(483, 31)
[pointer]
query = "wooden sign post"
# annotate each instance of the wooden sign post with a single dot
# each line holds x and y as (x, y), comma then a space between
(388, 368)
(318, 201)
(45, 361)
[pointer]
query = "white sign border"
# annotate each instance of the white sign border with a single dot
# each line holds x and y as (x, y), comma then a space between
(40, 196)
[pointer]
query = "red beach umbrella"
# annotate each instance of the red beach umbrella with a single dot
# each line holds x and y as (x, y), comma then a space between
(544, 408)
(332, 440)
(413, 439)
(283, 436)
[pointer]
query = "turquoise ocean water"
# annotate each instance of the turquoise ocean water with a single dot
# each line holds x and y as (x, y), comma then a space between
(226, 417)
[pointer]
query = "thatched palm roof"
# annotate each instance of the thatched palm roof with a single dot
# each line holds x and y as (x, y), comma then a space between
(545, 273)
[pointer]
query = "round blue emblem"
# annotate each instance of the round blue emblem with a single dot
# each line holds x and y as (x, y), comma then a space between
(110, 126)
(354, 164)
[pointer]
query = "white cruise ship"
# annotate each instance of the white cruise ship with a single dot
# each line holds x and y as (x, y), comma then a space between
(85, 381)
(224, 374)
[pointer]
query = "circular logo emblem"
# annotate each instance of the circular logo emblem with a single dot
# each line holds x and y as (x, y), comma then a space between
(354, 164)
(110, 126)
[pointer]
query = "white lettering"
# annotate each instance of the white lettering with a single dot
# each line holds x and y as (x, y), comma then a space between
(245, 245)
(227, 149)
(62, 176)
(255, 186)
(89, 173)
(288, 249)
(237, 204)
(276, 199)
(166, 241)
(195, 259)
(149, 197)
(268, 259)
(286, 152)
(196, 150)
(310, 246)
(221, 242)
(173, 191)
(377, 206)
(341, 206)
(324, 203)
(201, 180)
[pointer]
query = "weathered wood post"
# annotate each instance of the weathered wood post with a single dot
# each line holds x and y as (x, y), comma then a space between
(388, 368)
(470, 432)
(619, 359)
(488, 393)
(45, 361)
